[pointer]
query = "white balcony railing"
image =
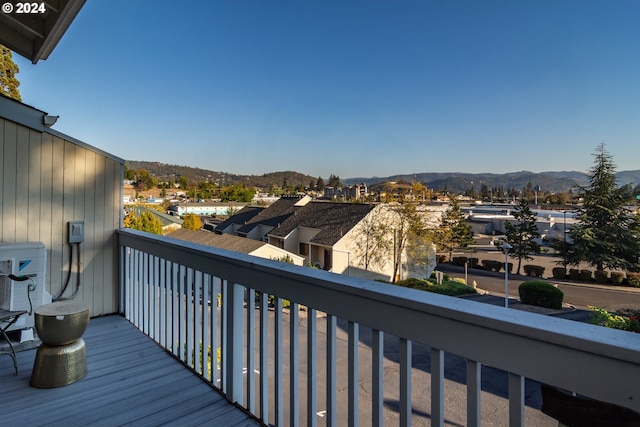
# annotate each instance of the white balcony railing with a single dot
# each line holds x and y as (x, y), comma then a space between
(169, 290)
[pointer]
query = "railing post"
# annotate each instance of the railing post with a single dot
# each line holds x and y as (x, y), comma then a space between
(234, 342)
(516, 400)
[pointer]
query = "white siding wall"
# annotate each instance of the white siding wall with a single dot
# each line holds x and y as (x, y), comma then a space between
(46, 181)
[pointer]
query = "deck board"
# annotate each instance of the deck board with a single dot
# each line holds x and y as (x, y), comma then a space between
(130, 381)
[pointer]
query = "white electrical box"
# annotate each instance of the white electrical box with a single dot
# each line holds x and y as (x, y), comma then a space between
(23, 259)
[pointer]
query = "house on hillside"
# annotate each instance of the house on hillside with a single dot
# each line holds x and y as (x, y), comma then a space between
(236, 244)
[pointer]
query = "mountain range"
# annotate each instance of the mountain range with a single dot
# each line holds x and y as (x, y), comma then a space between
(456, 182)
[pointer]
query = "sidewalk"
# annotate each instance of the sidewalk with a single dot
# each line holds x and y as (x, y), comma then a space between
(569, 313)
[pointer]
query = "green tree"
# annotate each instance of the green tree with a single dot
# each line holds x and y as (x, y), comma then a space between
(8, 69)
(320, 184)
(521, 234)
(334, 181)
(146, 221)
(453, 232)
(607, 234)
(237, 193)
(191, 222)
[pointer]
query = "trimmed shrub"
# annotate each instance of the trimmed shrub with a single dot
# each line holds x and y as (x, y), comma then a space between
(448, 287)
(540, 294)
(633, 279)
(491, 265)
(413, 283)
(559, 273)
(452, 288)
(534, 270)
(509, 266)
(441, 259)
(574, 274)
(601, 276)
(459, 260)
(474, 262)
(585, 275)
(617, 277)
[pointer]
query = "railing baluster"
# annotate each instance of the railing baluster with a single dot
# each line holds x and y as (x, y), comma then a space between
(264, 360)
(331, 371)
(163, 301)
(181, 313)
(223, 335)
(155, 284)
(473, 393)
(235, 341)
(516, 400)
(353, 386)
(145, 296)
(175, 308)
(215, 336)
(312, 331)
(251, 348)
(123, 302)
(139, 284)
(437, 387)
(197, 323)
(279, 362)
(377, 377)
(294, 402)
(405, 382)
(189, 321)
(207, 348)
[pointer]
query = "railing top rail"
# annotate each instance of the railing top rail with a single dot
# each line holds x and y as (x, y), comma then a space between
(580, 357)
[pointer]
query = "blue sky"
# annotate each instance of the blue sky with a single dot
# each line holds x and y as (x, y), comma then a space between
(352, 88)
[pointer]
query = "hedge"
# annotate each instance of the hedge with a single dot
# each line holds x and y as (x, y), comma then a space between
(601, 276)
(541, 294)
(633, 279)
(585, 275)
(459, 260)
(574, 274)
(617, 277)
(559, 273)
(491, 265)
(534, 270)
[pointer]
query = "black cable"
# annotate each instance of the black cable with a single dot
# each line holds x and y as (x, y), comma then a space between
(30, 288)
(59, 297)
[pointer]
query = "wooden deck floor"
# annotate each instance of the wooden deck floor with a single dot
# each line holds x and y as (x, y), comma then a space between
(130, 381)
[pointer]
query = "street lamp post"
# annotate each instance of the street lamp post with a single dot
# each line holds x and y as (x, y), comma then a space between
(506, 248)
(564, 240)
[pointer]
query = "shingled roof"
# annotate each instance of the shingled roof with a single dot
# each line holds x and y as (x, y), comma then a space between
(333, 220)
(275, 214)
(222, 241)
(243, 216)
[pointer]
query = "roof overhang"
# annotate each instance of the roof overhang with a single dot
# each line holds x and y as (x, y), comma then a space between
(35, 35)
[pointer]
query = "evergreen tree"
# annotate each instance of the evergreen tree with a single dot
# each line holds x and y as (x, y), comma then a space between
(320, 184)
(607, 235)
(8, 70)
(453, 232)
(334, 181)
(521, 234)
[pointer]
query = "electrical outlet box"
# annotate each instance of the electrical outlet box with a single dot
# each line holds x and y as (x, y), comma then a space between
(76, 231)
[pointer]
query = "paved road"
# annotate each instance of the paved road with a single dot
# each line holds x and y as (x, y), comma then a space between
(576, 294)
